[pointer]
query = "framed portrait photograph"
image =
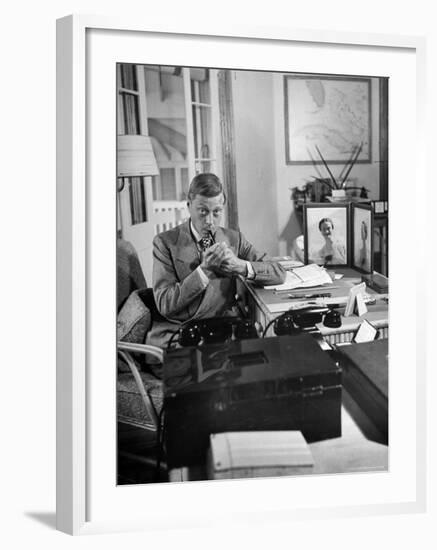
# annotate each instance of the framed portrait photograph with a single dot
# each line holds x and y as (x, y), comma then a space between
(326, 234)
(362, 237)
(328, 116)
(143, 111)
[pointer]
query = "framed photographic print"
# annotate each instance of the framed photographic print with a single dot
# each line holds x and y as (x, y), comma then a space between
(326, 234)
(329, 116)
(90, 51)
(362, 237)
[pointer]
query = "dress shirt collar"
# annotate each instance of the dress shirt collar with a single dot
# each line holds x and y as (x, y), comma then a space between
(196, 235)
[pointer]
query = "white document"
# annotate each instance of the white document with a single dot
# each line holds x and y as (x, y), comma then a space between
(353, 292)
(366, 333)
(290, 305)
(294, 306)
(302, 277)
(361, 306)
(290, 264)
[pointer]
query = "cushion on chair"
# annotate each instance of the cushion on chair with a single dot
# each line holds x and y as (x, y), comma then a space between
(136, 308)
(130, 406)
(133, 320)
(129, 273)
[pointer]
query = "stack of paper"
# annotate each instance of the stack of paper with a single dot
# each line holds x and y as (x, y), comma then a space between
(286, 305)
(302, 277)
(287, 262)
(290, 264)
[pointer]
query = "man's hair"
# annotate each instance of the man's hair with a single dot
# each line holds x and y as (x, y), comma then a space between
(325, 220)
(205, 184)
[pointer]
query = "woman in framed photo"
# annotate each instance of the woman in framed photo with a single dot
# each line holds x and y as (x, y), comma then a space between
(326, 234)
(334, 250)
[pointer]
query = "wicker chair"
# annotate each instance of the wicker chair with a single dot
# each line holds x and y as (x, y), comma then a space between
(139, 392)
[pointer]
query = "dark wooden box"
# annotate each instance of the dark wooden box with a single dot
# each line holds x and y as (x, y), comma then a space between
(282, 383)
(365, 377)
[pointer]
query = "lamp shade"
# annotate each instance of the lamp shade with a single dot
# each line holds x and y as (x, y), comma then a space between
(135, 156)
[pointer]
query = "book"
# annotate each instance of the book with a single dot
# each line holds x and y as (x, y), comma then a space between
(258, 454)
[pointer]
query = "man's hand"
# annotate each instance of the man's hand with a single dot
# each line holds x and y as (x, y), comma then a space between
(213, 256)
(220, 258)
(232, 265)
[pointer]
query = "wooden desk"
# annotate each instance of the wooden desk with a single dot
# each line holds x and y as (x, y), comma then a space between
(359, 449)
(261, 306)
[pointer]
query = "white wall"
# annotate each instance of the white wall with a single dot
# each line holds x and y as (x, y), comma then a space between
(252, 94)
(290, 176)
(264, 180)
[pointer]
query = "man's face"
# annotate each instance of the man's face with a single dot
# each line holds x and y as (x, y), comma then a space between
(206, 213)
(326, 229)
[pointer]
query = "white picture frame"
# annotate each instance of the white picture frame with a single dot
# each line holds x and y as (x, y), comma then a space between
(82, 323)
(317, 217)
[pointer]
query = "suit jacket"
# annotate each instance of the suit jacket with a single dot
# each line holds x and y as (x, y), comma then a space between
(179, 292)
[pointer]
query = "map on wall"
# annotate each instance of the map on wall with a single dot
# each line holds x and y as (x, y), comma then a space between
(328, 113)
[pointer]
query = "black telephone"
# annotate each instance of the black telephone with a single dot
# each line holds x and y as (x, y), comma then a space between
(215, 330)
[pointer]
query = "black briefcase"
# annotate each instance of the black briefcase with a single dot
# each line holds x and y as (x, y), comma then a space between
(282, 383)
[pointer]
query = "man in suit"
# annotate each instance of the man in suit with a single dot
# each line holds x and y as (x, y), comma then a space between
(195, 264)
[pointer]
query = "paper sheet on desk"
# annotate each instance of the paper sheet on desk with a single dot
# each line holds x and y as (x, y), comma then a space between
(290, 264)
(302, 277)
(290, 305)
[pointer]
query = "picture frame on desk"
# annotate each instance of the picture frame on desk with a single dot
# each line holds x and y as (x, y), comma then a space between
(88, 500)
(327, 234)
(362, 236)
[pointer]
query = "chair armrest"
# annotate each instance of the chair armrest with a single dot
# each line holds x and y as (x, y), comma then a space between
(124, 350)
(145, 349)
